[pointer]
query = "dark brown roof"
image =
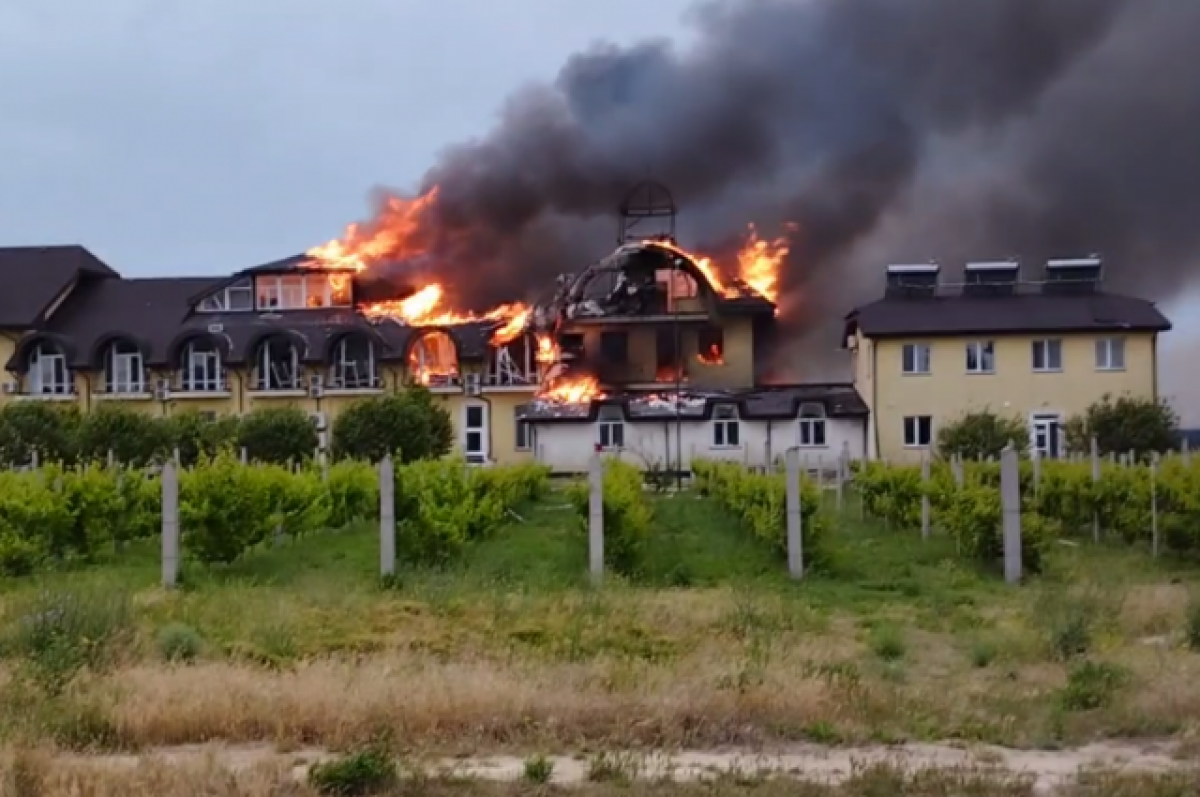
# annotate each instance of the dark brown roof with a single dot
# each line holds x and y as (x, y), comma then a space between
(32, 277)
(1022, 313)
(156, 314)
(754, 404)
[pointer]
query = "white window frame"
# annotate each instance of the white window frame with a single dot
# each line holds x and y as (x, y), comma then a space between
(1110, 354)
(1038, 418)
(610, 429)
(912, 431)
(482, 454)
(344, 364)
(223, 300)
(46, 360)
(267, 293)
(265, 378)
(726, 427)
(206, 361)
(522, 433)
(1047, 347)
(983, 350)
(916, 359)
(813, 427)
(124, 371)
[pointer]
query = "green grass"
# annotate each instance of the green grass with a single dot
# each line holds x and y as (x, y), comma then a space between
(893, 619)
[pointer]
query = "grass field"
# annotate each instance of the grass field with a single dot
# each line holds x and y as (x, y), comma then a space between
(509, 651)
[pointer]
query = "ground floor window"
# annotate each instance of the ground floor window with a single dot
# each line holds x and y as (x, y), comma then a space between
(611, 428)
(918, 431)
(475, 433)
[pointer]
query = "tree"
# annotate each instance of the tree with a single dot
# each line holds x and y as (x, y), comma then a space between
(409, 426)
(278, 435)
(982, 434)
(1140, 425)
(29, 425)
(197, 437)
(133, 437)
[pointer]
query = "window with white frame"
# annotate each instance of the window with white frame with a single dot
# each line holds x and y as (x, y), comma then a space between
(1047, 355)
(918, 358)
(200, 367)
(611, 428)
(981, 357)
(48, 372)
(236, 296)
(475, 433)
(124, 370)
(1110, 354)
(726, 429)
(277, 365)
(302, 291)
(918, 431)
(812, 425)
(354, 366)
(524, 432)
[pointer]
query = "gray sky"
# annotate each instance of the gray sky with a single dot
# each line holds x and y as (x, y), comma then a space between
(204, 137)
(209, 136)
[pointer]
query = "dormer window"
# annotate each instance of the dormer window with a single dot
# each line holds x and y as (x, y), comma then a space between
(233, 297)
(302, 291)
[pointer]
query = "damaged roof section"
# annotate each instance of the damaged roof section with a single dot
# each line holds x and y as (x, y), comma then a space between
(755, 404)
(647, 279)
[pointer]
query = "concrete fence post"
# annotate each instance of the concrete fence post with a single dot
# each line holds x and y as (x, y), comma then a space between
(1154, 543)
(170, 525)
(387, 517)
(925, 509)
(1010, 498)
(1095, 479)
(795, 518)
(244, 456)
(596, 519)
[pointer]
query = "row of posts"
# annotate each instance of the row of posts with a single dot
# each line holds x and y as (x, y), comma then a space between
(1010, 496)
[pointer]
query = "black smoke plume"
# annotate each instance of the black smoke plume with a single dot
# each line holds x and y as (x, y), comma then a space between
(887, 130)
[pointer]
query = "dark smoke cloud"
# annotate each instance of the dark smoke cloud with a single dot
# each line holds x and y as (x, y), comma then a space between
(887, 129)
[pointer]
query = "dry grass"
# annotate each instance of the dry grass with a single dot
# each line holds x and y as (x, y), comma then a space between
(904, 644)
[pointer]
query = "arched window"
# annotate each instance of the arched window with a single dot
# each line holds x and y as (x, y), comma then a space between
(354, 366)
(48, 372)
(124, 368)
(812, 425)
(277, 365)
(433, 360)
(200, 367)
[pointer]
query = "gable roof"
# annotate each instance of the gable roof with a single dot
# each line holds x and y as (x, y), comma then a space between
(1021, 313)
(33, 277)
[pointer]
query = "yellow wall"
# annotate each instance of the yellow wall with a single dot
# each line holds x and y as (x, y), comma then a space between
(1014, 390)
(737, 370)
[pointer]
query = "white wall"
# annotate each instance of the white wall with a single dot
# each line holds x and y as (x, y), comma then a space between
(568, 447)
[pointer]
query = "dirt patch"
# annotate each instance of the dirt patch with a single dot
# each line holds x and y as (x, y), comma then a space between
(1047, 769)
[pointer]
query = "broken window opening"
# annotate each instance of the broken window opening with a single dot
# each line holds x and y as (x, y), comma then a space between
(710, 343)
(277, 366)
(433, 360)
(669, 367)
(354, 366)
(614, 346)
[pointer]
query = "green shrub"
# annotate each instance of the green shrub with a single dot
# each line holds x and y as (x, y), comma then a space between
(179, 643)
(538, 770)
(628, 515)
(26, 426)
(888, 643)
(366, 772)
(409, 426)
(225, 508)
(197, 438)
(979, 435)
(133, 437)
(1092, 685)
(353, 489)
(57, 634)
(759, 501)
(278, 435)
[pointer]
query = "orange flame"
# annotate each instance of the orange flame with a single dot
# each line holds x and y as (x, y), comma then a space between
(759, 263)
(705, 264)
(547, 350)
(392, 235)
(712, 356)
(573, 391)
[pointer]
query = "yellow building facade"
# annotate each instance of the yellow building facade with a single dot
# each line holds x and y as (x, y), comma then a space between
(928, 353)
